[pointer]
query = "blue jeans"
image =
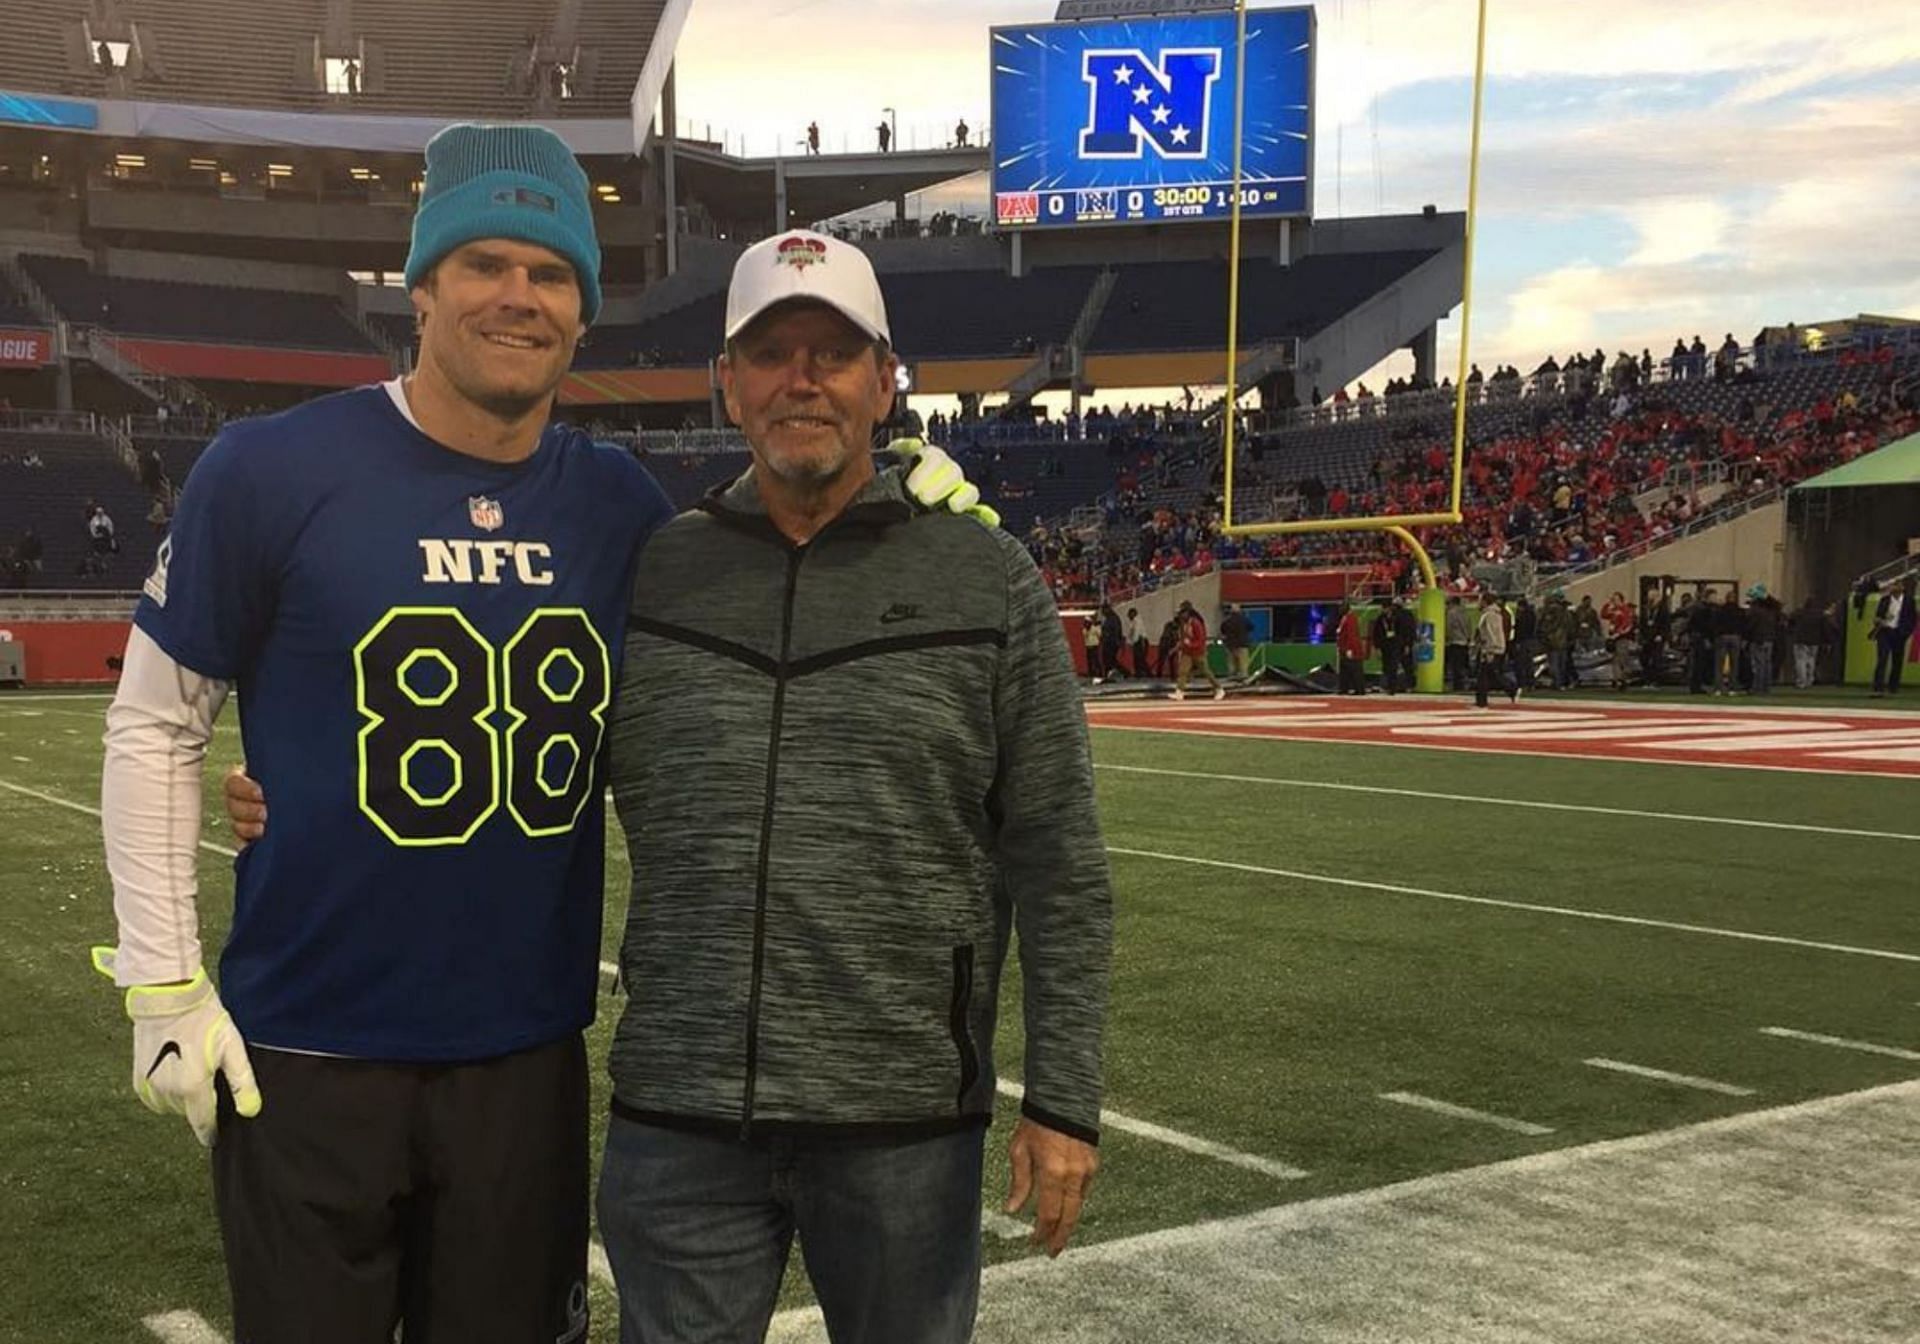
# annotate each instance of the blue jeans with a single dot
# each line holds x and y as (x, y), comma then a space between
(698, 1228)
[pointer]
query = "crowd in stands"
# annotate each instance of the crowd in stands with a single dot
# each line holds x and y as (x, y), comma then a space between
(1615, 459)
(1612, 466)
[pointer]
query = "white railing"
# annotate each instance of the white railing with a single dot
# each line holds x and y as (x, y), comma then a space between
(51, 422)
(1561, 576)
(116, 434)
(65, 604)
(1891, 572)
(686, 442)
(105, 351)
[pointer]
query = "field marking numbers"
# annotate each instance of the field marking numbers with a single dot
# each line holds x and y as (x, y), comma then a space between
(1568, 912)
(1173, 1138)
(1661, 1075)
(182, 1327)
(1865, 1047)
(1453, 1112)
(1634, 812)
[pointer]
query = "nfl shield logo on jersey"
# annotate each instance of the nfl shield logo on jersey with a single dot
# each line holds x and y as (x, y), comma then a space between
(486, 513)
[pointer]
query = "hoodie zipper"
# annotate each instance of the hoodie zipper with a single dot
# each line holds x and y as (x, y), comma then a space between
(795, 555)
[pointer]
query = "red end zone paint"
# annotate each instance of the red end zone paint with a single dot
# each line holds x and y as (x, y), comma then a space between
(1718, 735)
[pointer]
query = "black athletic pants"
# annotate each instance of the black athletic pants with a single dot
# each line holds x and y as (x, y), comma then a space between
(448, 1199)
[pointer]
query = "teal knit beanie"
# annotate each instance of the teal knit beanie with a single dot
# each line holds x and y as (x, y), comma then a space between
(519, 182)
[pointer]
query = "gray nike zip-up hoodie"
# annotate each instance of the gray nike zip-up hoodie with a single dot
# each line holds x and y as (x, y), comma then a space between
(846, 770)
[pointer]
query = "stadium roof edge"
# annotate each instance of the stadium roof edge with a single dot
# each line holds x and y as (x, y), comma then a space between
(124, 119)
(655, 71)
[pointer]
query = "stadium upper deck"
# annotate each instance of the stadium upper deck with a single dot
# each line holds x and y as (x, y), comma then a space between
(511, 58)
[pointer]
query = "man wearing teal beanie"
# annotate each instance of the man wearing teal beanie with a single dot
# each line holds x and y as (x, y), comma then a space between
(419, 590)
(506, 182)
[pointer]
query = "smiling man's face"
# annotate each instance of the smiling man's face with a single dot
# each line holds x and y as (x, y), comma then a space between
(806, 386)
(500, 320)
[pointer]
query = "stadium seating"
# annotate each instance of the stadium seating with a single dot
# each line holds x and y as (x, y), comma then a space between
(1759, 431)
(934, 314)
(396, 328)
(189, 312)
(53, 499)
(1183, 305)
(974, 314)
(13, 309)
(688, 477)
(198, 54)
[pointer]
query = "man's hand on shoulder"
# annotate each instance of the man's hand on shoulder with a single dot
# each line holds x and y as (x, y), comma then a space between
(937, 482)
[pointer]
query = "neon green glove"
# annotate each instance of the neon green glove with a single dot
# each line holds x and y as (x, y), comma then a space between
(936, 481)
(182, 1036)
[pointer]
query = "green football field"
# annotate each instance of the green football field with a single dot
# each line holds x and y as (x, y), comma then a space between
(1316, 991)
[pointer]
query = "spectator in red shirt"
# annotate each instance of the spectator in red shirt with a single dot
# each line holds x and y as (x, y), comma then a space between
(1352, 646)
(1193, 653)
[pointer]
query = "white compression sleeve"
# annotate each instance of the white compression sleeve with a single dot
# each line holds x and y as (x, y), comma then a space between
(158, 728)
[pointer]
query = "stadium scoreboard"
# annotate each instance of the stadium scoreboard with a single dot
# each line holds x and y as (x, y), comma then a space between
(1131, 121)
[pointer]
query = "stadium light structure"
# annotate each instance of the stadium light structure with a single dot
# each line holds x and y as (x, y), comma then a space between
(1396, 525)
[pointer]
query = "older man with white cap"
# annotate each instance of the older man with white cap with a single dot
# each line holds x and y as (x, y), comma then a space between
(884, 770)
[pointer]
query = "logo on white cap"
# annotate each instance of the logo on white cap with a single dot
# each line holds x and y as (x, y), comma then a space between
(803, 265)
(799, 252)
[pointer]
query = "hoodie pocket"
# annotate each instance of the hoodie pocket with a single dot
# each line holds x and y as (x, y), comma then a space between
(957, 1013)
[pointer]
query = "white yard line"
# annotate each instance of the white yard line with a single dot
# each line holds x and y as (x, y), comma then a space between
(1456, 1112)
(1003, 1227)
(182, 1327)
(94, 812)
(597, 1264)
(1566, 912)
(14, 699)
(607, 968)
(1661, 1075)
(1865, 1047)
(1634, 812)
(1173, 1138)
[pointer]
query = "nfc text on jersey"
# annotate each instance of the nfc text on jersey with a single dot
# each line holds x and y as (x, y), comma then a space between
(452, 561)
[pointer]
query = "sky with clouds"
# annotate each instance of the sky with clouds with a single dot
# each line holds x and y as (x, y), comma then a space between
(1649, 167)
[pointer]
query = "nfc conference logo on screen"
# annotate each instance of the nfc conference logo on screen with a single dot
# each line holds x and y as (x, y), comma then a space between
(1133, 99)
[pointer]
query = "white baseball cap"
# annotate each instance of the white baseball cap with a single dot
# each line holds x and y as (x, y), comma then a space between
(801, 264)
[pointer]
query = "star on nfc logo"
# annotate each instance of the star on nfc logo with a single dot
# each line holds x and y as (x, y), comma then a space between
(487, 515)
(799, 253)
(1134, 100)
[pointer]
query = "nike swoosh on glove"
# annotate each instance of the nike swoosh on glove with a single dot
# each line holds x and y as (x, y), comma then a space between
(936, 481)
(182, 1036)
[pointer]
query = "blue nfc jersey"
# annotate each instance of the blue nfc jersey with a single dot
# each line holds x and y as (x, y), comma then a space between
(424, 645)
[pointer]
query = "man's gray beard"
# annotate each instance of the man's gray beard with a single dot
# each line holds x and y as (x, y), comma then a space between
(805, 476)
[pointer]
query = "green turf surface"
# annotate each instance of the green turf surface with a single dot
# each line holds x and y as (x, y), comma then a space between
(1254, 1010)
